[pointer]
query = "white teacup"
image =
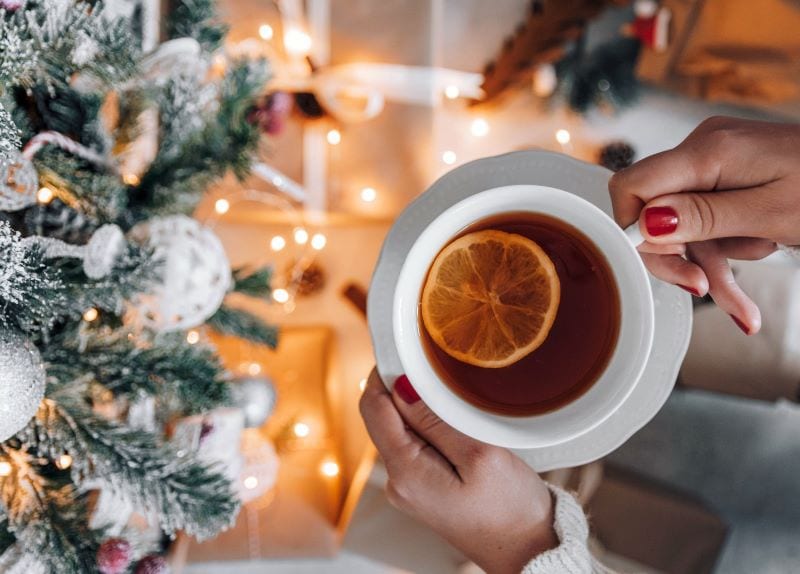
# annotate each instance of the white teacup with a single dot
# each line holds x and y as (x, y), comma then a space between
(624, 368)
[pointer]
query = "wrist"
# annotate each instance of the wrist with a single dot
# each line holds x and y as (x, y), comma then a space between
(524, 540)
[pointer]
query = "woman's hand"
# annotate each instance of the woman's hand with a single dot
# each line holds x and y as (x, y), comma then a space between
(729, 190)
(482, 499)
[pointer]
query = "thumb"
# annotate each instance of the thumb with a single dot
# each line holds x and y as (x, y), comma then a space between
(459, 449)
(688, 217)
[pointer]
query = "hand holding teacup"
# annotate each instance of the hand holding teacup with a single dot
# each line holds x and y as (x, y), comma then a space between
(731, 189)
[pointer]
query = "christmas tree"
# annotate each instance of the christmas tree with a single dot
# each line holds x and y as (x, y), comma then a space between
(107, 142)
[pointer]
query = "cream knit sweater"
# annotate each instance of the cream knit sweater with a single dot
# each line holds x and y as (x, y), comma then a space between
(572, 555)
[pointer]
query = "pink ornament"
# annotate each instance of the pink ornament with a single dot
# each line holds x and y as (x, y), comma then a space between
(12, 5)
(114, 556)
(152, 564)
(274, 126)
(280, 103)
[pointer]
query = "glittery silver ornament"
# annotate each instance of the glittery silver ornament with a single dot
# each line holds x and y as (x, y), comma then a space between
(256, 397)
(196, 274)
(22, 377)
(19, 182)
(99, 255)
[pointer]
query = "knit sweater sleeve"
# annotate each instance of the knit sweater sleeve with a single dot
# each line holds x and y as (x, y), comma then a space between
(793, 250)
(572, 555)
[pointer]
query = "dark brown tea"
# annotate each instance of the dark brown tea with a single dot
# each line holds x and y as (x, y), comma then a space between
(581, 340)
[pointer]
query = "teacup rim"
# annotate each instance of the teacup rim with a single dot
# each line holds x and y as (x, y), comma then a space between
(515, 438)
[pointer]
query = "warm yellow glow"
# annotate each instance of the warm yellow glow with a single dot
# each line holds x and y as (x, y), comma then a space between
(277, 243)
(192, 337)
(250, 482)
(265, 31)
(329, 468)
(300, 236)
(280, 295)
(563, 137)
(131, 179)
(362, 384)
(301, 430)
(452, 92)
(44, 195)
(297, 42)
(318, 241)
(334, 137)
(64, 461)
(90, 315)
(222, 206)
(479, 127)
(5, 468)
(449, 157)
(253, 369)
(368, 194)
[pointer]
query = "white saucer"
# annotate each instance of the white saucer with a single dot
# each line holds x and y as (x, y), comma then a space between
(673, 308)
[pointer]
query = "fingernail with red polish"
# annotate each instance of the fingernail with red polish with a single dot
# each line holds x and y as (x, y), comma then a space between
(741, 325)
(405, 391)
(660, 220)
(691, 290)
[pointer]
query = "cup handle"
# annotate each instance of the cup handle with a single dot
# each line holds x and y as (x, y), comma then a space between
(633, 234)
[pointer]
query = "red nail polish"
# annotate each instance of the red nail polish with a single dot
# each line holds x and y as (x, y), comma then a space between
(741, 325)
(405, 391)
(660, 220)
(691, 290)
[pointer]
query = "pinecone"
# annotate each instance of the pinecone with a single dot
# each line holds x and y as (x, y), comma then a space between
(616, 155)
(57, 219)
(311, 281)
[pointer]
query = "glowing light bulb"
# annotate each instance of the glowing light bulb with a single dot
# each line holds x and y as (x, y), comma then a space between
(280, 295)
(253, 369)
(300, 236)
(329, 468)
(90, 315)
(362, 384)
(479, 127)
(44, 195)
(368, 194)
(131, 179)
(277, 243)
(64, 461)
(563, 137)
(318, 241)
(222, 206)
(265, 31)
(5, 468)
(250, 482)
(192, 337)
(301, 430)
(334, 137)
(297, 42)
(449, 157)
(452, 92)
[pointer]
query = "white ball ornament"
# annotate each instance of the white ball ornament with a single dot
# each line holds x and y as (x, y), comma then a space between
(260, 469)
(195, 275)
(19, 182)
(22, 381)
(256, 397)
